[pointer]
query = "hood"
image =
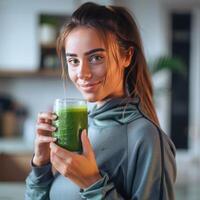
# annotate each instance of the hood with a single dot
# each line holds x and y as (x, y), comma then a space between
(115, 111)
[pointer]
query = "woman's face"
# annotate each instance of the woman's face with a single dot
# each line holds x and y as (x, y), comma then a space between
(86, 59)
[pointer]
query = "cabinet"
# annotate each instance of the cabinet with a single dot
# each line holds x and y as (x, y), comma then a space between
(14, 167)
(49, 28)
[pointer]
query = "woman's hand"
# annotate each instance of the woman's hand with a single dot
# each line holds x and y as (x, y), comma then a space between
(81, 169)
(43, 138)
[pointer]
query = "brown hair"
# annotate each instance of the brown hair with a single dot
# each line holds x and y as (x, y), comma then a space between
(117, 21)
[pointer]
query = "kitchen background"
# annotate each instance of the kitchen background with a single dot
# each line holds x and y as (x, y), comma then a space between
(30, 79)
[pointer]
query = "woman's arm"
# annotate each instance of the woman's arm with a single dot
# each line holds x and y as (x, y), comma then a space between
(39, 180)
(38, 183)
(101, 190)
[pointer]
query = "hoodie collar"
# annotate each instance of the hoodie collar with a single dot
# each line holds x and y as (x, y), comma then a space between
(121, 110)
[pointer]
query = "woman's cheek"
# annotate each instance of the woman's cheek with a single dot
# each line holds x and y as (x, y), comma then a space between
(72, 75)
(99, 71)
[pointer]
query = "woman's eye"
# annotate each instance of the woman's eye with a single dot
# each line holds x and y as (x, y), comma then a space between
(96, 59)
(73, 61)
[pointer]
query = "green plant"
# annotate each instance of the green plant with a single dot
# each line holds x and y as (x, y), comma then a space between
(173, 64)
(48, 19)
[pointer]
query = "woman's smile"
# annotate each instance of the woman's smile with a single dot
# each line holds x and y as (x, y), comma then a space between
(89, 87)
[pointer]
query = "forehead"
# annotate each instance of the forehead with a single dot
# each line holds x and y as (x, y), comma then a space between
(83, 39)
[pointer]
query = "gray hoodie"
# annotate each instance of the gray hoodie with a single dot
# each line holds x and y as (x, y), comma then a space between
(135, 158)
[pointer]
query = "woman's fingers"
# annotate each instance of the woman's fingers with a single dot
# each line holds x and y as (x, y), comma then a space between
(44, 123)
(87, 147)
(59, 151)
(47, 116)
(45, 139)
(59, 164)
(80, 169)
(62, 159)
(45, 127)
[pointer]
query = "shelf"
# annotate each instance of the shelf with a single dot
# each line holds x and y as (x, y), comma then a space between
(30, 74)
(48, 46)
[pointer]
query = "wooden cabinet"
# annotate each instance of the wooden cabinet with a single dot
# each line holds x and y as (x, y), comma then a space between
(14, 167)
(50, 26)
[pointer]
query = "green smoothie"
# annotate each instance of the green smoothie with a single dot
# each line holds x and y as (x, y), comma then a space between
(70, 123)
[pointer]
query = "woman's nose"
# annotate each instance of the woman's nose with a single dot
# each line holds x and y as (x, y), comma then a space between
(84, 71)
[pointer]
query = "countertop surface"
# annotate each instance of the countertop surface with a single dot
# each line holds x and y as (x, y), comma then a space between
(12, 190)
(15, 146)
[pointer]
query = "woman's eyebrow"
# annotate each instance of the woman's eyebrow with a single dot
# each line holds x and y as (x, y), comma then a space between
(86, 53)
(94, 50)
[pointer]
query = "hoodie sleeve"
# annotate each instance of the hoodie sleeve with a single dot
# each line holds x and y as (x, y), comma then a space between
(102, 189)
(145, 166)
(38, 183)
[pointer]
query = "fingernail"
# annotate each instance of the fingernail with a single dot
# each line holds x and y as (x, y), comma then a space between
(54, 139)
(54, 116)
(53, 128)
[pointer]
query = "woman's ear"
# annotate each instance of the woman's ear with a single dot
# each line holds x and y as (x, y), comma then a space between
(128, 57)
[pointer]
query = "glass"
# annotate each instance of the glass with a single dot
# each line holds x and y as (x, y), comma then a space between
(72, 119)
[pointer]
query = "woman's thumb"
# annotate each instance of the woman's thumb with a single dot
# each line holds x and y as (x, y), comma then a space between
(87, 147)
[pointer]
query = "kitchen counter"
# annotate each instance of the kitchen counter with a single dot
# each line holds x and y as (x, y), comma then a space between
(15, 157)
(12, 190)
(15, 146)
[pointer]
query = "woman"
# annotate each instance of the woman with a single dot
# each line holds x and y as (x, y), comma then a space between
(125, 155)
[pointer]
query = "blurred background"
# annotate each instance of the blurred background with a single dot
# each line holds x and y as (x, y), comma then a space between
(30, 79)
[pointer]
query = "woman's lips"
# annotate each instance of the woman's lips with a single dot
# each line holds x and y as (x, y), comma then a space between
(89, 87)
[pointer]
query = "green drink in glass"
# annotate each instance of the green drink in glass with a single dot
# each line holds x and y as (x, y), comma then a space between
(72, 119)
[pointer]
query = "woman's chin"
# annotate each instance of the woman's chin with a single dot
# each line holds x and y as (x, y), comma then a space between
(90, 97)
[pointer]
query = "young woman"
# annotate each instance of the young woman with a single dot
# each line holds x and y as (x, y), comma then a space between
(125, 155)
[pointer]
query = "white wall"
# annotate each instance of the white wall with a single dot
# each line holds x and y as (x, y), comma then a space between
(151, 18)
(19, 42)
(194, 106)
